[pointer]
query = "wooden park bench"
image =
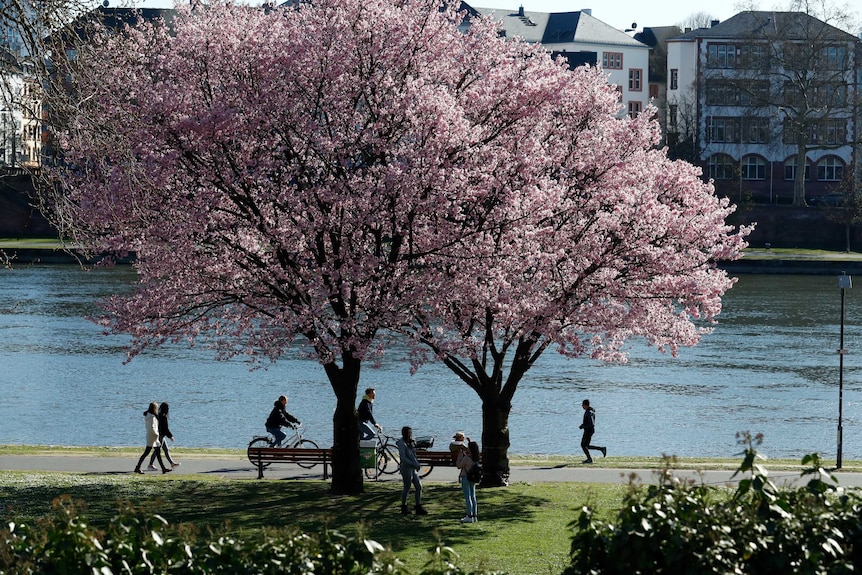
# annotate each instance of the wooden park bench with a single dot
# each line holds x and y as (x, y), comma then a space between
(436, 458)
(262, 457)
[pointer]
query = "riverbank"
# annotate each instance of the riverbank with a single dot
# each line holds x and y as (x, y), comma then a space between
(755, 260)
(795, 261)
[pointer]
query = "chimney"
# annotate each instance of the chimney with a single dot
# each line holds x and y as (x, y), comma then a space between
(521, 11)
(714, 23)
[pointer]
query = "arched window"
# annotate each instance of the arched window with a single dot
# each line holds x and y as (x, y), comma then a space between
(790, 169)
(753, 168)
(720, 167)
(830, 169)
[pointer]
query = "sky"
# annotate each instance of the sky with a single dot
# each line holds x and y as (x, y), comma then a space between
(622, 13)
(618, 13)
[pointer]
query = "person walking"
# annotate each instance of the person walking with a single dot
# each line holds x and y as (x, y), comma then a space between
(468, 457)
(151, 423)
(589, 427)
(367, 424)
(164, 435)
(279, 417)
(409, 471)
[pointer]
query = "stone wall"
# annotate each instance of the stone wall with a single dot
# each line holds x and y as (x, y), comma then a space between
(781, 226)
(793, 227)
(18, 219)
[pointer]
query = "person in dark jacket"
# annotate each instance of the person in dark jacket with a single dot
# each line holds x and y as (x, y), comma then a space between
(164, 435)
(589, 427)
(279, 417)
(365, 411)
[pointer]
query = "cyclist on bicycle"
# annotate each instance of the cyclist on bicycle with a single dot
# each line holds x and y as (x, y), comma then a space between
(366, 415)
(278, 417)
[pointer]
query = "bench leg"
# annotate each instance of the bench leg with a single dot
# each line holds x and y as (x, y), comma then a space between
(259, 467)
(325, 468)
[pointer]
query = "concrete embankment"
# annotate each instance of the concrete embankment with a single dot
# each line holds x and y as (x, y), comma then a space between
(793, 266)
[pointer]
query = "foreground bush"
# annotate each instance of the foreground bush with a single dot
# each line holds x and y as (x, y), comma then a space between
(683, 528)
(137, 544)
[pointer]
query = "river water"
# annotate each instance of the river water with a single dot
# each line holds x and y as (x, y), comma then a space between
(769, 367)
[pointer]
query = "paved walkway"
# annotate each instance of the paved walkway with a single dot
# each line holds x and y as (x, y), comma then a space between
(240, 468)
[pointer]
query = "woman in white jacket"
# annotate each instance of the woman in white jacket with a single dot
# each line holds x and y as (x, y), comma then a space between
(151, 423)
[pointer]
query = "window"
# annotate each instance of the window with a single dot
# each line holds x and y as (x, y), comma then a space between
(612, 60)
(830, 169)
(790, 169)
(721, 56)
(754, 93)
(720, 93)
(753, 168)
(754, 131)
(833, 131)
(720, 167)
(674, 79)
(673, 117)
(635, 108)
(834, 58)
(831, 94)
(825, 132)
(754, 56)
(722, 130)
(792, 94)
(635, 80)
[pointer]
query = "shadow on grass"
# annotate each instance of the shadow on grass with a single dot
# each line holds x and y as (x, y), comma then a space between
(249, 506)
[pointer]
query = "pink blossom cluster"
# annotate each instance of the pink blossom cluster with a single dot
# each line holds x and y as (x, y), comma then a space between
(339, 171)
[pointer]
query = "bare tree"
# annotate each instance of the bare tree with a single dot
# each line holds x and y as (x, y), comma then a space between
(697, 20)
(848, 212)
(801, 77)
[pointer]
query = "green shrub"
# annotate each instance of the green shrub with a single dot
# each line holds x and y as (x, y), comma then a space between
(136, 543)
(680, 527)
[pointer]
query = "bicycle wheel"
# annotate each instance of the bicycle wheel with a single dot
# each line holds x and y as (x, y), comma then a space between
(393, 459)
(306, 444)
(425, 470)
(260, 441)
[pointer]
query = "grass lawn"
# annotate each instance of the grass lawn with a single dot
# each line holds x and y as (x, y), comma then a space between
(522, 528)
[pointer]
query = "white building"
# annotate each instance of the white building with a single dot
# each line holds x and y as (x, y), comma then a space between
(746, 95)
(585, 40)
(20, 116)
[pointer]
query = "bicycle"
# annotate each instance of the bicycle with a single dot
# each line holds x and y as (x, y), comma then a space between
(296, 441)
(386, 452)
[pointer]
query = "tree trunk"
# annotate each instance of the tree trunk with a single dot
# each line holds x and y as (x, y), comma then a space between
(346, 465)
(495, 440)
(799, 179)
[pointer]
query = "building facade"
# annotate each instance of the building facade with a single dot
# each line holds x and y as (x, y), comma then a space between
(748, 97)
(20, 115)
(583, 39)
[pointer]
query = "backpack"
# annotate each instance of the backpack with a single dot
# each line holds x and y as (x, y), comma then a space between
(474, 474)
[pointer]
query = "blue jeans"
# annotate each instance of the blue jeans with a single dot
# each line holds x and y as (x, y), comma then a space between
(469, 490)
(278, 434)
(366, 430)
(408, 478)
